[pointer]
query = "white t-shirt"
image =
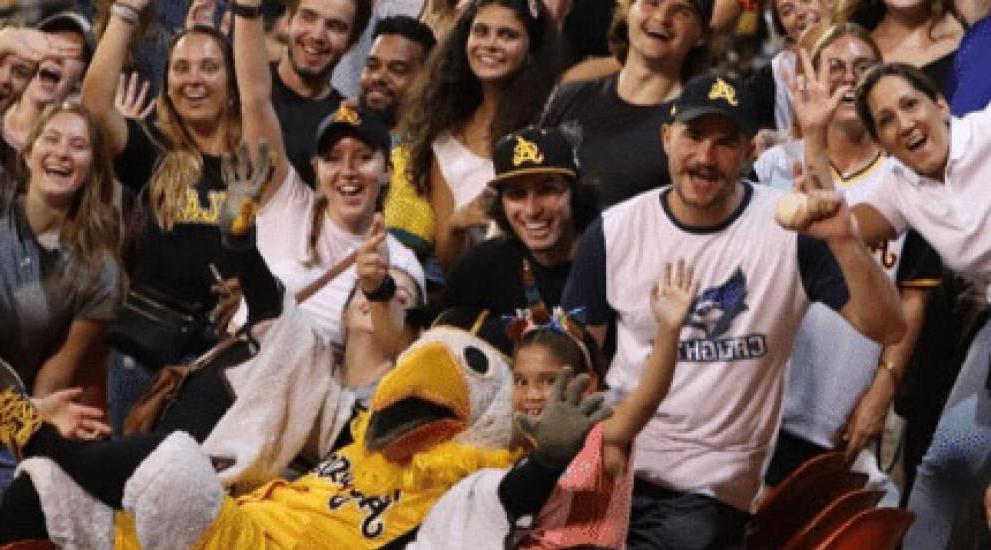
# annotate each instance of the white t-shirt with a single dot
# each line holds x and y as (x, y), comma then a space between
(954, 215)
(832, 364)
(712, 432)
(284, 223)
(466, 173)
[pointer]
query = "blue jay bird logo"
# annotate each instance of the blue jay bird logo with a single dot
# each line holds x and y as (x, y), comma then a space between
(715, 308)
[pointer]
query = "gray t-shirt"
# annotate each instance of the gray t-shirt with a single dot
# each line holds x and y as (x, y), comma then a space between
(41, 293)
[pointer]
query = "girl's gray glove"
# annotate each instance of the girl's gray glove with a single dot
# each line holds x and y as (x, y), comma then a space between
(559, 434)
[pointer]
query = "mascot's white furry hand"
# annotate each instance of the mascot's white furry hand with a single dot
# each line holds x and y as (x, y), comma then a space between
(559, 434)
(244, 187)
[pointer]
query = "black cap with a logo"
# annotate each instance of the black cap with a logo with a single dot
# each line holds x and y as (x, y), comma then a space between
(716, 95)
(353, 121)
(533, 150)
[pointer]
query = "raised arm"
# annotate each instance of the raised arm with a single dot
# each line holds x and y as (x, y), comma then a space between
(100, 85)
(254, 81)
(372, 264)
(873, 306)
(670, 300)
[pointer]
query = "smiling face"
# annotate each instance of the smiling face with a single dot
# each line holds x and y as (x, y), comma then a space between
(705, 155)
(797, 15)
(497, 43)
(910, 125)
(60, 159)
(56, 78)
(663, 29)
(351, 174)
(198, 80)
(389, 70)
(15, 74)
(847, 59)
(538, 208)
(319, 31)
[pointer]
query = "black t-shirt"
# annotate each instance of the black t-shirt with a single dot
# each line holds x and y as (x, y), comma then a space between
(174, 262)
(490, 276)
(299, 117)
(621, 153)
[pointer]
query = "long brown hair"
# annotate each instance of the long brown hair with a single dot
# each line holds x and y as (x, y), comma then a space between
(182, 163)
(92, 223)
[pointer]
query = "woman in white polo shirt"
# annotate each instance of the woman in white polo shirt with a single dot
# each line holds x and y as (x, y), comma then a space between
(941, 191)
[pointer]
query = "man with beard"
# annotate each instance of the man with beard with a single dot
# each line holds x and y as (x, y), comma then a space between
(400, 46)
(699, 460)
(320, 31)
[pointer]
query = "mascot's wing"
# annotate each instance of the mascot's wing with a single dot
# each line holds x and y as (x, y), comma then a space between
(282, 395)
(470, 515)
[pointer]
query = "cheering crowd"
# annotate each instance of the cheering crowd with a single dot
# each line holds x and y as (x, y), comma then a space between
(757, 233)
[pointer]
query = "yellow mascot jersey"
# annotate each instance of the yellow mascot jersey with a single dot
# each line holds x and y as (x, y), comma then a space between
(354, 499)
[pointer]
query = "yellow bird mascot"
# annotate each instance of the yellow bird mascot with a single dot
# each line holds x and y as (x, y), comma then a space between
(441, 414)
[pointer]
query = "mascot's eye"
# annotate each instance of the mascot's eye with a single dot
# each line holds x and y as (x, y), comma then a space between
(476, 360)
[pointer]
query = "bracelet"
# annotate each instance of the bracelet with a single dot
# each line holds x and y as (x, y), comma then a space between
(889, 366)
(248, 12)
(125, 12)
(385, 291)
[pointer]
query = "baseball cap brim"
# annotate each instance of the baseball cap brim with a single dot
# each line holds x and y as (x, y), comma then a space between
(535, 170)
(691, 113)
(336, 131)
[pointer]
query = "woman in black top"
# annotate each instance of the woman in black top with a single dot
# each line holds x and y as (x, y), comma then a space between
(174, 166)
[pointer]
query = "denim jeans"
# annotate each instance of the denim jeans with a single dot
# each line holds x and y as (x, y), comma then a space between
(7, 466)
(127, 380)
(664, 519)
(956, 456)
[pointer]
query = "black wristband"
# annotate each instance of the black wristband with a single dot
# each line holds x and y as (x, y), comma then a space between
(248, 12)
(385, 291)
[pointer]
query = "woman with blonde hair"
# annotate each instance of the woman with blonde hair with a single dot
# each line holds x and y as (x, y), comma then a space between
(173, 164)
(58, 240)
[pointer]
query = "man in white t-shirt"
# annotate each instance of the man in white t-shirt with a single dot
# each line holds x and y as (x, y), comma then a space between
(699, 461)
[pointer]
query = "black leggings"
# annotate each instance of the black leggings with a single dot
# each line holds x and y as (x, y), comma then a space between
(101, 468)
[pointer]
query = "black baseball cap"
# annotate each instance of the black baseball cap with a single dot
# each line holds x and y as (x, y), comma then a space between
(69, 20)
(716, 95)
(533, 150)
(353, 121)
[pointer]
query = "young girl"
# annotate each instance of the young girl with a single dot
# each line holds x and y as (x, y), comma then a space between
(591, 503)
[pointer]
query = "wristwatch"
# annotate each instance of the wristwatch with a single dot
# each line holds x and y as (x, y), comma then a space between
(385, 291)
(248, 12)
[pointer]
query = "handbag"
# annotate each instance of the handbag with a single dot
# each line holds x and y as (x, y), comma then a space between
(165, 388)
(169, 380)
(154, 328)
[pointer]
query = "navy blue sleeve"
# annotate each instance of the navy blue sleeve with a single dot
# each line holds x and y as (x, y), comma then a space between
(586, 286)
(821, 275)
(920, 266)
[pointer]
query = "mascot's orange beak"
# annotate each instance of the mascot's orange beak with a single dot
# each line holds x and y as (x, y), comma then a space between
(421, 402)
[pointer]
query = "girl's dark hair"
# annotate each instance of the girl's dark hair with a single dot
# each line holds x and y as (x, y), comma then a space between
(565, 349)
(910, 73)
(446, 93)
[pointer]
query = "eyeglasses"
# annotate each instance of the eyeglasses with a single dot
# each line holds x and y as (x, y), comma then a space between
(838, 68)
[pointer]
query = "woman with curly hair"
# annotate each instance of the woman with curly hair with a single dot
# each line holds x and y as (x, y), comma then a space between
(489, 76)
(173, 164)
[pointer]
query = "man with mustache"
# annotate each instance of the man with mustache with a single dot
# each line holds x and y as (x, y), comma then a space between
(400, 46)
(699, 460)
(320, 32)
